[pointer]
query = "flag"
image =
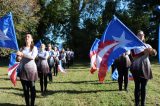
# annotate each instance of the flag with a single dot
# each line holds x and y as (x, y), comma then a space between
(12, 70)
(159, 45)
(130, 76)
(115, 75)
(12, 59)
(116, 40)
(60, 68)
(7, 32)
(38, 44)
(93, 52)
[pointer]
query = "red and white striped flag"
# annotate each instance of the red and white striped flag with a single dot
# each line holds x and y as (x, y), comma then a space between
(93, 55)
(12, 73)
(130, 76)
(60, 68)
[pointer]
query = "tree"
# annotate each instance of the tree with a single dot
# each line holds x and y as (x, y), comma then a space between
(142, 14)
(54, 18)
(24, 15)
(62, 18)
(109, 11)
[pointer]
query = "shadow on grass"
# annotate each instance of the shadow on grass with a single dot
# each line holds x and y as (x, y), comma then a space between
(74, 68)
(9, 104)
(50, 92)
(87, 82)
(81, 64)
(6, 89)
(8, 79)
(5, 79)
(4, 74)
(10, 88)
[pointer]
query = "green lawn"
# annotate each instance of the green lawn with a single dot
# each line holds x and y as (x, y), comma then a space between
(79, 88)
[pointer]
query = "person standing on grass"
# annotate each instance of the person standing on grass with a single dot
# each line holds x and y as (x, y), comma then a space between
(72, 56)
(63, 58)
(56, 59)
(43, 68)
(141, 68)
(68, 57)
(50, 61)
(28, 69)
(123, 63)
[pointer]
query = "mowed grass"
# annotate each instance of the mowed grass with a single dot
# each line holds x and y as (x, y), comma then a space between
(79, 88)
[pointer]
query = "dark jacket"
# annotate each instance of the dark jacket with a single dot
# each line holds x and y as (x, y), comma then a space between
(123, 62)
(141, 66)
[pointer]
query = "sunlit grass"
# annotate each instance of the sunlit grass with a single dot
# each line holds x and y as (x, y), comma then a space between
(79, 88)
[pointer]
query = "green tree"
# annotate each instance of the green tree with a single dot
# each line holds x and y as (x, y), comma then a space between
(141, 12)
(62, 18)
(108, 12)
(25, 18)
(24, 15)
(54, 18)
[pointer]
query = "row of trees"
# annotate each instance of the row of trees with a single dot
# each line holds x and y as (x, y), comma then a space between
(78, 22)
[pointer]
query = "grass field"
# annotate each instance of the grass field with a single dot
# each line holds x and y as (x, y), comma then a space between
(79, 88)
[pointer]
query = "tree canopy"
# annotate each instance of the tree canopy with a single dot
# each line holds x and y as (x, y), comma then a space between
(78, 22)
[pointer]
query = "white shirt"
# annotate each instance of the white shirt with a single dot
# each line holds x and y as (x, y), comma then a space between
(30, 54)
(141, 48)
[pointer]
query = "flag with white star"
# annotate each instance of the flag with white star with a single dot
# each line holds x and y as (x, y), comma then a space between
(7, 32)
(116, 40)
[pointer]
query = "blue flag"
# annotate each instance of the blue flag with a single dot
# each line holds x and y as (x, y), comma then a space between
(7, 32)
(38, 44)
(159, 45)
(12, 59)
(115, 75)
(116, 40)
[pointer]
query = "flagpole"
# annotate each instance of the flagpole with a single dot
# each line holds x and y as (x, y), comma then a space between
(158, 11)
(159, 44)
